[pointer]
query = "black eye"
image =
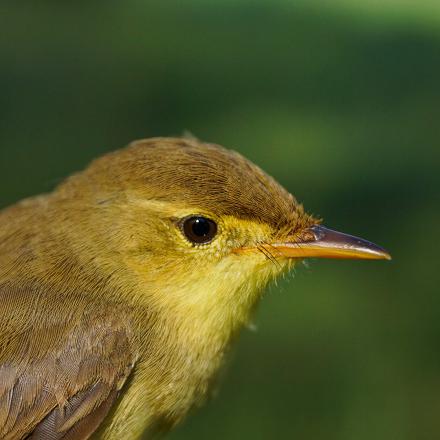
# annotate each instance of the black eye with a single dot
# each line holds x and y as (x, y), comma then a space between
(199, 230)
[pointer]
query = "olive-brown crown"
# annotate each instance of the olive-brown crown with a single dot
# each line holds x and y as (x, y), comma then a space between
(193, 173)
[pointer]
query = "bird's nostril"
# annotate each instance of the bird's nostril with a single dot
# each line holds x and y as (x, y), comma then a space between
(316, 233)
(305, 235)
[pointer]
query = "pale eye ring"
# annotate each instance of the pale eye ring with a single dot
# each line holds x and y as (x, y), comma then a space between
(199, 229)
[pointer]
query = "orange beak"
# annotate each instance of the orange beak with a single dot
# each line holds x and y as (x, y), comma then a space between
(320, 242)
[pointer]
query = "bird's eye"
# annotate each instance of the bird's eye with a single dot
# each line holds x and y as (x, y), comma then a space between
(199, 230)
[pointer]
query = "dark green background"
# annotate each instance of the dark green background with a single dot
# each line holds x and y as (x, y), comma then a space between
(341, 104)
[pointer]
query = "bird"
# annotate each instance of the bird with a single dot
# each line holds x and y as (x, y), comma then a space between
(123, 289)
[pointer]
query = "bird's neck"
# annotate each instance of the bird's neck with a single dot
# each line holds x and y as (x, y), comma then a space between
(196, 323)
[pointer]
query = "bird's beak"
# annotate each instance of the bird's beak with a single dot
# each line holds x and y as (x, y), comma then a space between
(320, 242)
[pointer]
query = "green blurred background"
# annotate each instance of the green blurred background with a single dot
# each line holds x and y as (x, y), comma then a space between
(340, 101)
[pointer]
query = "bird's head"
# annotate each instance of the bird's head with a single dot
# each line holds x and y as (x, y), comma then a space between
(200, 227)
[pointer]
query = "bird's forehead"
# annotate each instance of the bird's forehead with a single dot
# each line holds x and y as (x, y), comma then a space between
(217, 180)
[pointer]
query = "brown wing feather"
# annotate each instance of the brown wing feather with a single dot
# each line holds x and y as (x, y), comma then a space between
(59, 424)
(60, 376)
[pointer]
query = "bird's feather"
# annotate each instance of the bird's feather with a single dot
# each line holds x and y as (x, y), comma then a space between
(59, 376)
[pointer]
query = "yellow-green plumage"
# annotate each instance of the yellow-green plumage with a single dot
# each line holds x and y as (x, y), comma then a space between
(102, 294)
(113, 321)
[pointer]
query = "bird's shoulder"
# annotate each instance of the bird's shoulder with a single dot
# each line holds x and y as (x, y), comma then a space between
(63, 361)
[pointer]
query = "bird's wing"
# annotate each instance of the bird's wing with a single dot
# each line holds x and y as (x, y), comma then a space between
(61, 368)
